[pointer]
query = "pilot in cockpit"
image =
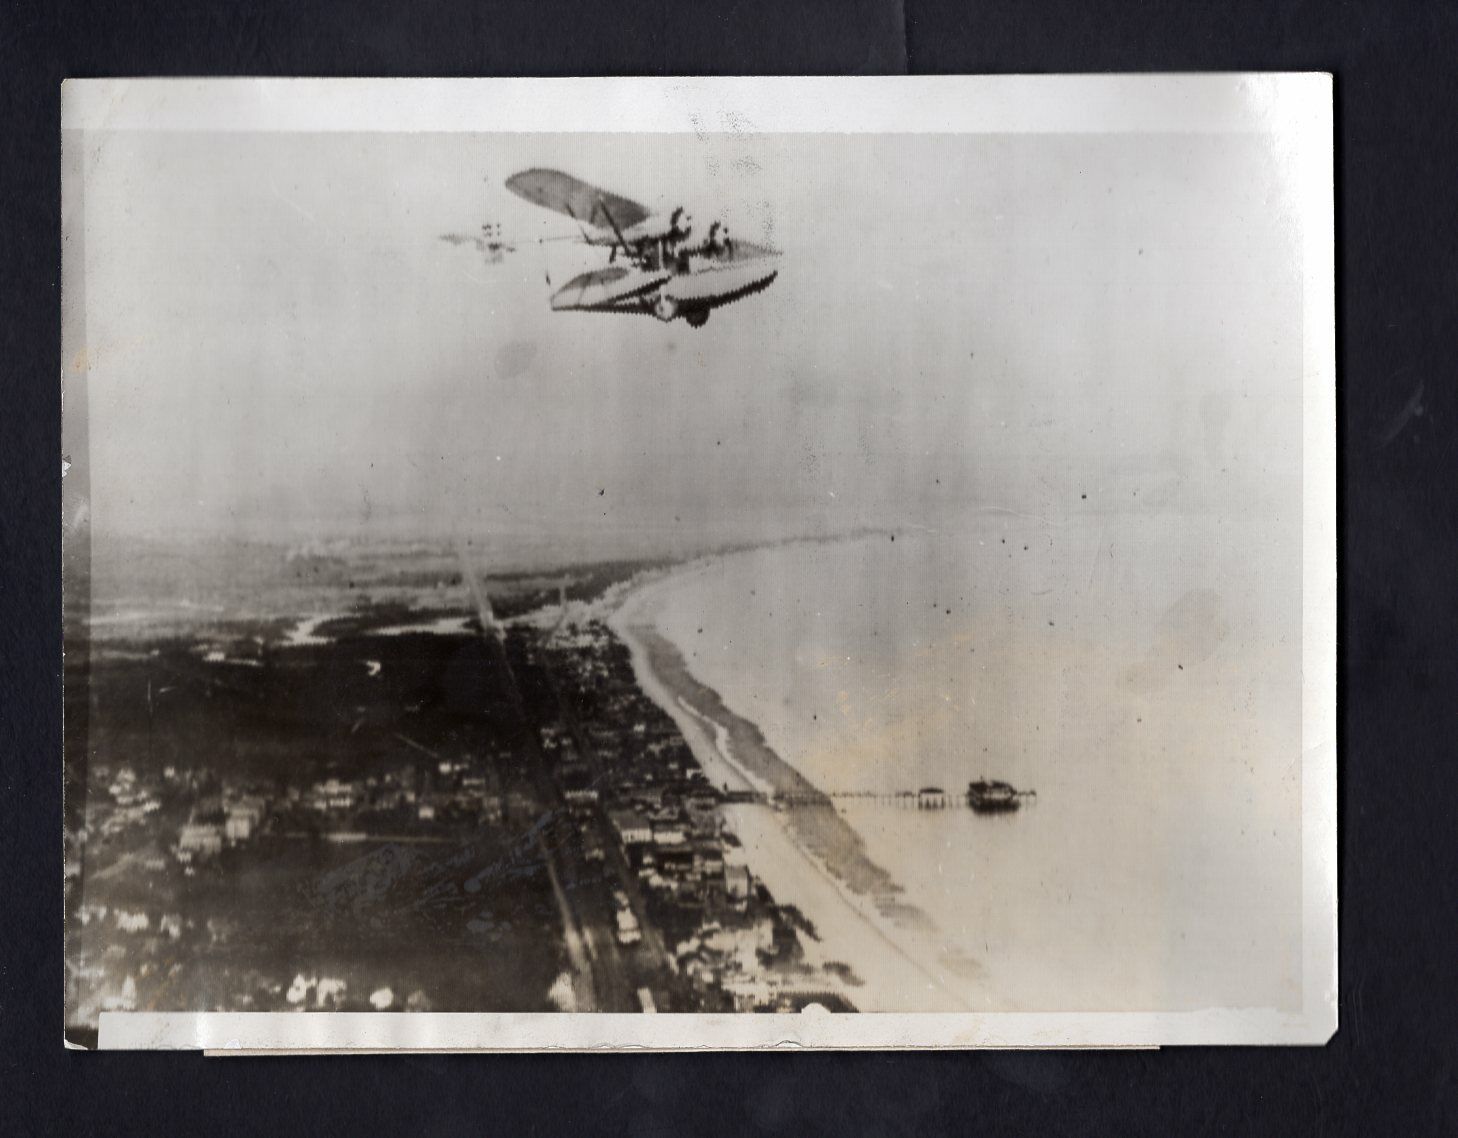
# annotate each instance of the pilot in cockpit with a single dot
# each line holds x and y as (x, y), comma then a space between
(680, 226)
(718, 244)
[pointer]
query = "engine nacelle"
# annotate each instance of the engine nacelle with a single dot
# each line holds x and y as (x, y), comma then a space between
(675, 228)
(680, 224)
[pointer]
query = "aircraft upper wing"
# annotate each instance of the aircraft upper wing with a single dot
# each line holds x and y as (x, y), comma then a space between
(575, 198)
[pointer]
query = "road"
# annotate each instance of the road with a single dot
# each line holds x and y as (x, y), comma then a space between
(649, 959)
(584, 988)
(602, 979)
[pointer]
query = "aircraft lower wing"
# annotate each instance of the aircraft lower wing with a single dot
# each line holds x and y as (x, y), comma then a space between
(609, 290)
(574, 198)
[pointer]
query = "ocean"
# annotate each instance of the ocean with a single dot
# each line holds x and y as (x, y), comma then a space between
(1137, 671)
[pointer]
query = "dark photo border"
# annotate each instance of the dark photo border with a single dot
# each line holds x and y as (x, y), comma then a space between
(1389, 1069)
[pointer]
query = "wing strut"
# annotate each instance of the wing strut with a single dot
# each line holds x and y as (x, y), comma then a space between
(586, 240)
(618, 233)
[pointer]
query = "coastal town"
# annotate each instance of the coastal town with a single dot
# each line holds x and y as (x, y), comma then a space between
(649, 812)
(489, 819)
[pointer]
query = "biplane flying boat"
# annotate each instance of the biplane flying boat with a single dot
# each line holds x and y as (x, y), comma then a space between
(659, 264)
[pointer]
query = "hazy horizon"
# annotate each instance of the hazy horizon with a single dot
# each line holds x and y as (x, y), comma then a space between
(278, 344)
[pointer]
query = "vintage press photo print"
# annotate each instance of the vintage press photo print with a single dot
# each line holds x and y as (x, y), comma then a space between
(699, 563)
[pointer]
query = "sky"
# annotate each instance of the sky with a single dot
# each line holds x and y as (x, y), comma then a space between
(277, 342)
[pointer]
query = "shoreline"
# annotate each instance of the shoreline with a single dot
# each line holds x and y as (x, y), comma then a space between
(742, 745)
(808, 855)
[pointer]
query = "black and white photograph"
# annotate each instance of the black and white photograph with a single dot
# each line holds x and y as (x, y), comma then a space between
(698, 563)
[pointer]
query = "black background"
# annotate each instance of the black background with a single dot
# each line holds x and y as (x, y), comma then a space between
(1393, 1066)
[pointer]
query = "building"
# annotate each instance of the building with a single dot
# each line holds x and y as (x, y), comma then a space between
(243, 818)
(238, 828)
(208, 809)
(748, 994)
(677, 864)
(633, 829)
(338, 794)
(137, 922)
(708, 859)
(667, 833)
(200, 839)
(737, 882)
(577, 785)
(703, 822)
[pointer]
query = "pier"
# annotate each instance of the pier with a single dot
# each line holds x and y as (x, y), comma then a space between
(930, 798)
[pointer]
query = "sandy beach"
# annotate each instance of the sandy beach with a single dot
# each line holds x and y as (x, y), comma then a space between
(807, 855)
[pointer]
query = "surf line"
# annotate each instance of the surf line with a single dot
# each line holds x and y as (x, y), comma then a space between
(719, 735)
